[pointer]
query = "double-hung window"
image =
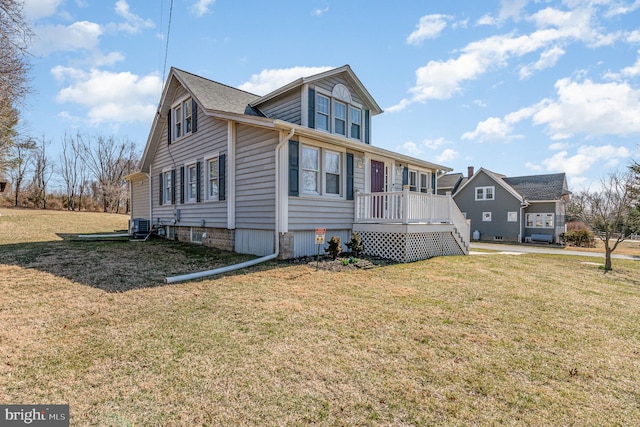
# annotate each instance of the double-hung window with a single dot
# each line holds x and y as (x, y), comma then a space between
(485, 193)
(183, 117)
(167, 187)
(310, 170)
(322, 112)
(192, 182)
(332, 172)
(321, 171)
(413, 181)
(424, 183)
(355, 122)
(339, 118)
(212, 179)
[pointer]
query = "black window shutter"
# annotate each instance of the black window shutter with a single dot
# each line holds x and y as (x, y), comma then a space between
(367, 125)
(198, 182)
(222, 182)
(182, 184)
(160, 189)
(173, 187)
(293, 168)
(169, 127)
(405, 176)
(433, 182)
(194, 115)
(312, 109)
(349, 176)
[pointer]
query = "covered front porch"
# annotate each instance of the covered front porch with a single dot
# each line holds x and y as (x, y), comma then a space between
(409, 226)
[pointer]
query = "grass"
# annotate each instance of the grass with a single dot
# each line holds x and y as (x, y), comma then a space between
(477, 340)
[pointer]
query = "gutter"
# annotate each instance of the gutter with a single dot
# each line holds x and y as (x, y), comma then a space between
(201, 274)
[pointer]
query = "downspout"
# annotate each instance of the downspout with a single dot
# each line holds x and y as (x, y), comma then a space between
(245, 264)
(523, 206)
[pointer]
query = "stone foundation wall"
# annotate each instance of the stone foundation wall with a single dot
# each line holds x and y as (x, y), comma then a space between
(219, 238)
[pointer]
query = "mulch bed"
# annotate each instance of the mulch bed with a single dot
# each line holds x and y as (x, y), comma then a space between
(345, 263)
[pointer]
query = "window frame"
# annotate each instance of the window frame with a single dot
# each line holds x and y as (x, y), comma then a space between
(483, 191)
(425, 188)
(321, 171)
(209, 179)
(182, 118)
(540, 220)
(337, 118)
(512, 216)
(350, 109)
(413, 180)
(167, 186)
(189, 185)
(326, 116)
(486, 216)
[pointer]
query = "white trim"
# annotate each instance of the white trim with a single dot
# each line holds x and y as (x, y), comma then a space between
(186, 185)
(231, 175)
(484, 189)
(486, 216)
(207, 181)
(304, 105)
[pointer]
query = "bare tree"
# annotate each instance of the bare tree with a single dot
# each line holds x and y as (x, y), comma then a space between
(20, 158)
(610, 211)
(43, 170)
(109, 161)
(15, 36)
(72, 170)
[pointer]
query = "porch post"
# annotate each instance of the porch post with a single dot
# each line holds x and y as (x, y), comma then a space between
(405, 204)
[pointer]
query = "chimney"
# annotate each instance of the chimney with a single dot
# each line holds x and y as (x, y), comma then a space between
(469, 171)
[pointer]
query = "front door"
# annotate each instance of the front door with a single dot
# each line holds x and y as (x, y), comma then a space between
(377, 176)
(377, 186)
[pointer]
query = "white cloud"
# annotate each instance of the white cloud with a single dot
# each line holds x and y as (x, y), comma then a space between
(621, 8)
(435, 143)
(79, 35)
(491, 129)
(509, 9)
(593, 109)
(586, 157)
(548, 59)
(269, 80)
(320, 12)
(633, 36)
(411, 148)
(429, 27)
(556, 146)
(442, 79)
(134, 24)
(202, 7)
(581, 107)
(110, 97)
(36, 9)
(447, 155)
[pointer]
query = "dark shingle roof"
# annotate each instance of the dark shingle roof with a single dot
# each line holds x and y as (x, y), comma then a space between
(217, 96)
(449, 180)
(539, 187)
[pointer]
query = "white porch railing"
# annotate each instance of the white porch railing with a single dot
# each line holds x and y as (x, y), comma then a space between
(410, 207)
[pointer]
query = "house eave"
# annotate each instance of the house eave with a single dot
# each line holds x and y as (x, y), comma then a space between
(357, 146)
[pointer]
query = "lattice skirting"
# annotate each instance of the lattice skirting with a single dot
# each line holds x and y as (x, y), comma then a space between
(408, 247)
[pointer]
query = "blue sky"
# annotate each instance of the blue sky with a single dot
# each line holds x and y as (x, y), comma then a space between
(518, 87)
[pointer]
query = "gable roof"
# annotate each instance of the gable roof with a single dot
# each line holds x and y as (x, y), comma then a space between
(529, 188)
(539, 187)
(214, 96)
(351, 77)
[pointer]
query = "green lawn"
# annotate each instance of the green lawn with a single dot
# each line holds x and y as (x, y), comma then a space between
(476, 340)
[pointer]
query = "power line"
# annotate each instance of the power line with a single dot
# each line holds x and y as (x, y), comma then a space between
(166, 48)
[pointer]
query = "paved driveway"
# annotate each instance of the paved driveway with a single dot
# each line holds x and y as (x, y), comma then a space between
(540, 249)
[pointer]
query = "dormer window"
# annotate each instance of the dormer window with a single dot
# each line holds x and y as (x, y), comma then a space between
(322, 112)
(339, 118)
(336, 112)
(355, 122)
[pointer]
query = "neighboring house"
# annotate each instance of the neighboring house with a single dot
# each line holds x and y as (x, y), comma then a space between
(259, 174)
(450, 182)
(518, 209)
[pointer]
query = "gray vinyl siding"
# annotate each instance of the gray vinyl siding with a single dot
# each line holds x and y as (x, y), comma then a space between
(140, 198)
(255, 178)
(328, 84)
(286, 107)
(307, 213)
(210, 137)
(503, 203)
